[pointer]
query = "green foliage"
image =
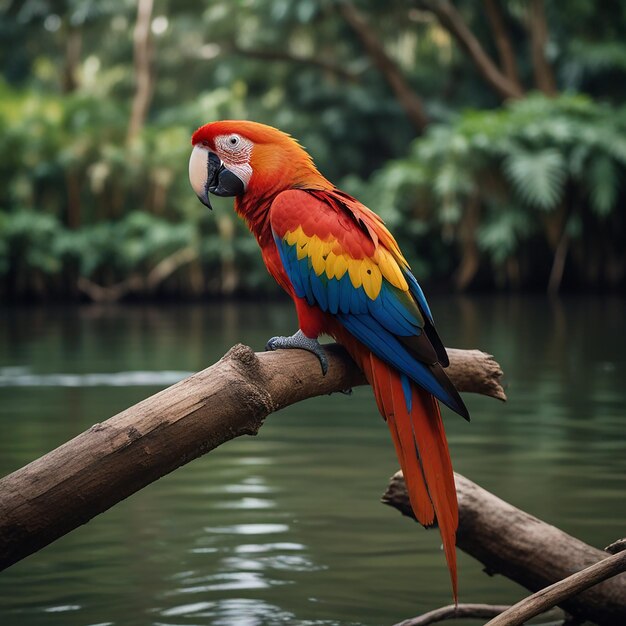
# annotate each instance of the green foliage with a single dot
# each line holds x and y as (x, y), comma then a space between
(538, 177)
(78, 198)
(29, 241)
(561, 159)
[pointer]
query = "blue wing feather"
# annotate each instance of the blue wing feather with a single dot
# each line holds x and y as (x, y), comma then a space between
(418, 294)
(345, 288)
(384, 345)
(318, 285)
(332, 289)
(393, 315)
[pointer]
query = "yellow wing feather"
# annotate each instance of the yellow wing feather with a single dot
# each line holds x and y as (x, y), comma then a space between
(326, 256)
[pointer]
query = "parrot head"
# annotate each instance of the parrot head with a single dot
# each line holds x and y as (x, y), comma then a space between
(241, 158)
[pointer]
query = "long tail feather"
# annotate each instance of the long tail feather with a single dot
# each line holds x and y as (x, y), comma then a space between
(422, 450)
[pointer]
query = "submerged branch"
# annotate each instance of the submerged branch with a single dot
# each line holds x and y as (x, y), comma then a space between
(456, 611)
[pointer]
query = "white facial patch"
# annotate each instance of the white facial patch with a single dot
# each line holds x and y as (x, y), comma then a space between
(235, 151)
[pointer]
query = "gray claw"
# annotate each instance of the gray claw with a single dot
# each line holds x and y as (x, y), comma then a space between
(301, 341)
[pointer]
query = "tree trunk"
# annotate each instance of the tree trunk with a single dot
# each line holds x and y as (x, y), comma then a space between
(144, 80)
(538, 26)
(470, 256)
(87, 475)
(73, 47)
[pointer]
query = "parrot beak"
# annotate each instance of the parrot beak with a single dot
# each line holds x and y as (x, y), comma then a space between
(208, 174)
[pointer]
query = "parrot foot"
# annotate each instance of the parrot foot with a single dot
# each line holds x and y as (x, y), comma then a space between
(301, 341)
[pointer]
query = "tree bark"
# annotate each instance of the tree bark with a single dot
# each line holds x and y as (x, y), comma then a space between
(525, 549)
(454, 23)
(100, 467)
(408, 99)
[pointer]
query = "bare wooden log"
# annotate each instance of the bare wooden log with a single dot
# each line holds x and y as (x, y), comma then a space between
(87, 475)
(525, 549)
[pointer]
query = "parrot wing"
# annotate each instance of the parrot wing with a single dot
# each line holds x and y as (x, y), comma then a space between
(340, 257)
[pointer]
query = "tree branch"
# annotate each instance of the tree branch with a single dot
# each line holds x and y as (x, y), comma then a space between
(408, 99)
(525, 549)
(503, 41)
(283, 55)
(545, 599)
(87, 475)
(452, 21)
(137, 282)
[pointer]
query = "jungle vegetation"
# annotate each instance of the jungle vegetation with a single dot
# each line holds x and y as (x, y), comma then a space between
(490, 135)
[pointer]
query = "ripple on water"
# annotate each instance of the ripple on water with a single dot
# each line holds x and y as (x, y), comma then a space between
(244, 487)
(245, 504)
(229, 581)
(285, 562)
(242, 612)
(62, 608)
(251, 548)
(248, 529)
(187, 609)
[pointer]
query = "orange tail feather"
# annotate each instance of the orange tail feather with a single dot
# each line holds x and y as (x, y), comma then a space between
(422, 450)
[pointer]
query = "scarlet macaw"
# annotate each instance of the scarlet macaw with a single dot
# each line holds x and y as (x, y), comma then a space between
(348, 279)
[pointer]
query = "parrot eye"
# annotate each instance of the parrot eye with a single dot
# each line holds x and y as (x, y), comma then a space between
(234, 141)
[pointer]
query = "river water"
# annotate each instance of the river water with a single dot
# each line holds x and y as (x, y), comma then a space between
(286, 527)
